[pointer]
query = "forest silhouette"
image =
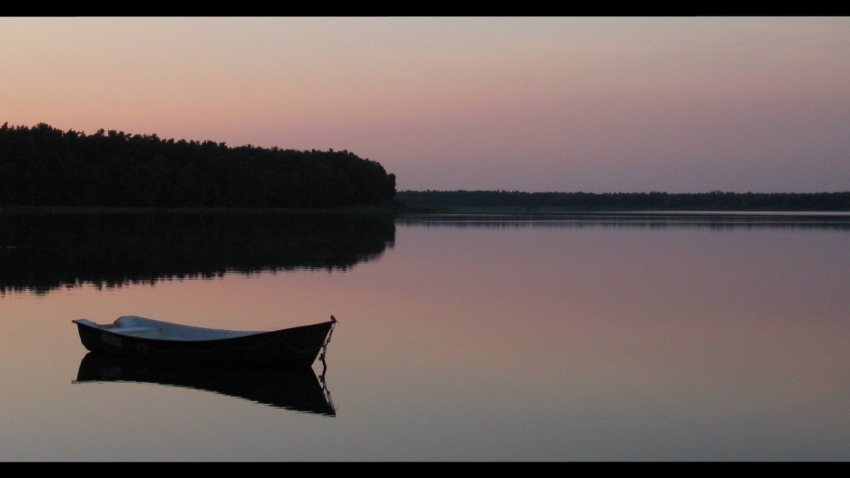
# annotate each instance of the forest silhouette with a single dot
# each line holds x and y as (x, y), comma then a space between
(44, 166)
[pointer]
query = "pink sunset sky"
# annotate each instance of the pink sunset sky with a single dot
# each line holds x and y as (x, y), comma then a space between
(535, 104)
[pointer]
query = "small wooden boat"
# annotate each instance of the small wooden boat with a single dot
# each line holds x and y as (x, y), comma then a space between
(141, 338)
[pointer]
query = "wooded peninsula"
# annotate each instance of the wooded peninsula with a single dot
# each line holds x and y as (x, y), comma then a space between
(44, 166)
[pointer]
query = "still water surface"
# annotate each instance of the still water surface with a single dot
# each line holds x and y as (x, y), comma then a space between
(582, 337)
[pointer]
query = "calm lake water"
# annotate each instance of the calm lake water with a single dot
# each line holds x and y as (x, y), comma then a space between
(552, 337)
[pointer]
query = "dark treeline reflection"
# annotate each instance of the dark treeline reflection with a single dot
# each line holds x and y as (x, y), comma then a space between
(41, 252)
(290, 388)
(836, 221)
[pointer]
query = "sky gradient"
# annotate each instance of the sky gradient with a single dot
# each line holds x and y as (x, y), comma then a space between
(533, 104)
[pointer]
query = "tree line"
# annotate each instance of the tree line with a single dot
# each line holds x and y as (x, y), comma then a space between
(580, 201)
(44, 166)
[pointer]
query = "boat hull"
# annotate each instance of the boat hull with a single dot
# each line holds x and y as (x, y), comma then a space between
(294, 346)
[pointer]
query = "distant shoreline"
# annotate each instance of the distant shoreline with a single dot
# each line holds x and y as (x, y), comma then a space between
(483, 211)
(401, 210)
(518, 201)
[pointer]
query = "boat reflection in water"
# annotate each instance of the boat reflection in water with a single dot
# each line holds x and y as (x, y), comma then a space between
(291, 388)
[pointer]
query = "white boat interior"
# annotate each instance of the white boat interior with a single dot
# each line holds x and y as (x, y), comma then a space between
(135, 326)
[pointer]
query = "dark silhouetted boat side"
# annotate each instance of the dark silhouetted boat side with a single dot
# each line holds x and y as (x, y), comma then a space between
(139, 338)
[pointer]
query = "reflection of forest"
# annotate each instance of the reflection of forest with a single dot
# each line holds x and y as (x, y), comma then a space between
(41, 252)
